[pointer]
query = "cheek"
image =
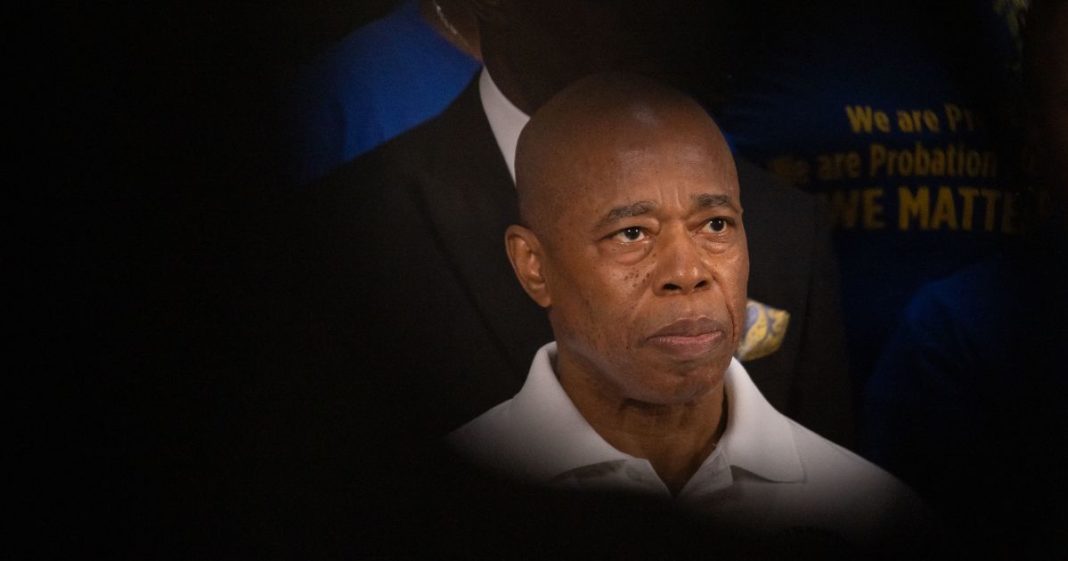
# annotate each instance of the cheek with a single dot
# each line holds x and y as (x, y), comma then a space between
(629, 282)
(734, 280)
(615, 301)
(595, 299)
(614, 292)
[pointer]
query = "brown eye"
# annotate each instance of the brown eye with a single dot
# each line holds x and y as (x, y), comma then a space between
(717, 224)
(632, 234)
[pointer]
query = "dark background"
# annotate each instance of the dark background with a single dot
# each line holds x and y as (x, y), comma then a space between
(143, 156)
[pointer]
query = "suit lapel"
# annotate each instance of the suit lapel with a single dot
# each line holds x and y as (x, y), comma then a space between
(469, 198)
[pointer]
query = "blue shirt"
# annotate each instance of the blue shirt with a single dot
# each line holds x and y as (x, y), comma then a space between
(876, 109)
(379, 81)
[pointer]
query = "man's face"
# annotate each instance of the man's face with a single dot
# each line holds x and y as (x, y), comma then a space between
(646, 262)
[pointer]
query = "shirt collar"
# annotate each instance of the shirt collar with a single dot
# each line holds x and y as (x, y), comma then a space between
(758, 438)
(505, 119)
(558, 438)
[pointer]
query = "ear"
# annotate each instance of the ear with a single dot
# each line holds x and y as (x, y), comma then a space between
(525, 253)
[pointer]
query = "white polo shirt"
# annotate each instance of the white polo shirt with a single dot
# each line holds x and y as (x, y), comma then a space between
(767, 472)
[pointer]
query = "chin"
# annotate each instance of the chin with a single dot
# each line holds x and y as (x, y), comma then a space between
(691, 387)
(710, 366)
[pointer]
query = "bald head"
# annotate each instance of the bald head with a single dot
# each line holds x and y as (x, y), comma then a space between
(587, 136)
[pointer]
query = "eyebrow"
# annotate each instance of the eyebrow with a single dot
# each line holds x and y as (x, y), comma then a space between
(626, 211)
(700, 201)
(708, 200)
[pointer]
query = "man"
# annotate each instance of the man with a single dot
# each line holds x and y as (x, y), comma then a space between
(411, 300)
(632, 238)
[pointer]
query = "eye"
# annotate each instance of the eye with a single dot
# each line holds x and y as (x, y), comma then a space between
(629, 235)
(718, 224)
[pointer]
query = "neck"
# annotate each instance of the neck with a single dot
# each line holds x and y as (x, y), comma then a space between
(676, 438)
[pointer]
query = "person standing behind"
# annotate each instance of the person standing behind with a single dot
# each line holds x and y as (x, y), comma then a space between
(897, 114)
(970, 391)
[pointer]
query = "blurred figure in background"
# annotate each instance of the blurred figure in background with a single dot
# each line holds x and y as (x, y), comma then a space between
(895, 114)
(967, 403)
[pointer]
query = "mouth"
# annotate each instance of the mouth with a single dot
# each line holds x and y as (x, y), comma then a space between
(688, 338)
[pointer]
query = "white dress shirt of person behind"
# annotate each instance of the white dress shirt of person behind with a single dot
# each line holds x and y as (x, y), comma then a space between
(632, 240)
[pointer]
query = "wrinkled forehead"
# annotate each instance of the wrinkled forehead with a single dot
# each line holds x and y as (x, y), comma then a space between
(668, 165)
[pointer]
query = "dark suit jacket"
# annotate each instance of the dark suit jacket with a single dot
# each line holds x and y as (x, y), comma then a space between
(414, 321)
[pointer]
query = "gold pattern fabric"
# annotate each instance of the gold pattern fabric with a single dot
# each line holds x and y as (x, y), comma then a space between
(765, 328)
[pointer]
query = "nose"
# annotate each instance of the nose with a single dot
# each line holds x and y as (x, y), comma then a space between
(681, 268)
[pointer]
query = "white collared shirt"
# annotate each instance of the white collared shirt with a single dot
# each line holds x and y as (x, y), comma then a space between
(766, 472)
(505, 119)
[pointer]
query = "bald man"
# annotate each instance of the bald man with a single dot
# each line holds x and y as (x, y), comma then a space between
(407, 298)
(632, 239)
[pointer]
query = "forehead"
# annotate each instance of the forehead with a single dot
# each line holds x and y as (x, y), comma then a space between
(660, 164)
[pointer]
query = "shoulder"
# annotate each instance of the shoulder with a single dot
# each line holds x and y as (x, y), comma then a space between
(963, 297)
(457, 138)
(493, 440)
(953, 326)
(828, 464)
(408, 159)
(843, 492)
(375, 46)
(846, 483)
(489, 428)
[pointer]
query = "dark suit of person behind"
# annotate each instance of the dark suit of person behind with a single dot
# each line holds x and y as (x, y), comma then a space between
(411, 299)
